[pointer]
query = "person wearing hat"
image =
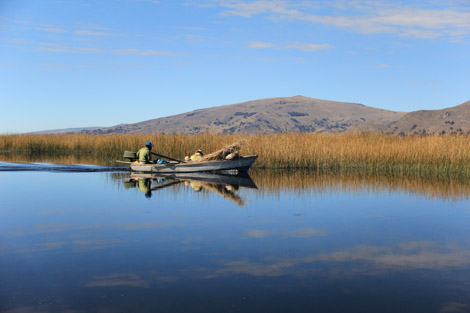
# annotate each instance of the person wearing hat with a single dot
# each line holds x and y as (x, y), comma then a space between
(144, 154)
(197, 156)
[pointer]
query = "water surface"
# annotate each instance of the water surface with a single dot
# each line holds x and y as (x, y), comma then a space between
(88, 240)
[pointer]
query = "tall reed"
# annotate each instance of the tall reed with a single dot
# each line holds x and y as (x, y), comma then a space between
(365, 152)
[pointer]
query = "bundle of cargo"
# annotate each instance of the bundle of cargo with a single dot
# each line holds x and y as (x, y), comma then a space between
(231, 152)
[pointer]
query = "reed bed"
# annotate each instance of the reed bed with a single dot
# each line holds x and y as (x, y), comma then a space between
(361, 152)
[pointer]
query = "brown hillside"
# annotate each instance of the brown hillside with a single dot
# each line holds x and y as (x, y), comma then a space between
(273, 115)
(454, 120)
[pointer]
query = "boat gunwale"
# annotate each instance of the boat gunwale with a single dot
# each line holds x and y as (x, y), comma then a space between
(195, 164)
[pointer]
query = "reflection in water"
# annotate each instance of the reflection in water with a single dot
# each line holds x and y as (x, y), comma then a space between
(275, 182)
(147, 185)
(305, 181)
(225, 185)
(303, 242)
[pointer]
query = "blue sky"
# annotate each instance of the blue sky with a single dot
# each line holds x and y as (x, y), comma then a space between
(76, 63)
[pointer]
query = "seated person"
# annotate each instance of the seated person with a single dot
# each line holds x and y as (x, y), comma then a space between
(144, 155)
(197, 156)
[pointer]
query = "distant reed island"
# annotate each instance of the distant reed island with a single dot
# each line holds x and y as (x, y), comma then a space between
(433, 155)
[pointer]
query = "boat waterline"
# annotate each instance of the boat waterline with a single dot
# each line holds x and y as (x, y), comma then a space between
(242, 164)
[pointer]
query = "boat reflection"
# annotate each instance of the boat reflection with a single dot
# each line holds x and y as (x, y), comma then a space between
(224, 185)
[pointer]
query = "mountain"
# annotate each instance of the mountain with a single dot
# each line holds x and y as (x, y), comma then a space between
(454, 120)
(65, 130)
(273, 115)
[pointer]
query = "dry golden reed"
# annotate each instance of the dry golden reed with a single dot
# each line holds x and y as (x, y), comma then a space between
(365, 152)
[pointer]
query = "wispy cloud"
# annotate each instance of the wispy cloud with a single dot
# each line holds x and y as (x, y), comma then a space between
(58, 48)
(260, 45)
(304, 232)
(362, 259)
(51, 29)
(296, 233)
(421, 33)
(145, 52)
(192, 28)
(308, 47)
(257, 233)
(94, 33)
(52, 47)
(419, 21)
(303, 46)
(148, 1)
(63, 65)
(131, 66)
(119, 280)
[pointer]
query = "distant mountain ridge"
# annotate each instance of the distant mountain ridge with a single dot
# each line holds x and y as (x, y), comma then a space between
(66, 130)
(296, 114)
(454, 120)
(273, 115)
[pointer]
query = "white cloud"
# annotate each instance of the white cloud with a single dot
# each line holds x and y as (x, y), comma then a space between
(63, 65)
(52, 47)
(93, 33)
(421, 33)
(145, 52)
(297, 233)
(51, 29)
(304, 232)
(362, 260)
(249, 9)
(303, 46)
(308, 47)
(257, 233)
(260, 45)
(192, 28)
(419, 21)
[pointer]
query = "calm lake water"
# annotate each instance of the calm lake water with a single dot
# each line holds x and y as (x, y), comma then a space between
(85, 239)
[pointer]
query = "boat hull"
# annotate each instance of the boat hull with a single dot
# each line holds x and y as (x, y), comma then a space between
(242, 165)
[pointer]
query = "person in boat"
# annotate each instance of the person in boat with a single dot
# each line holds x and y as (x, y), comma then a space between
(197, 156)
(145, 154)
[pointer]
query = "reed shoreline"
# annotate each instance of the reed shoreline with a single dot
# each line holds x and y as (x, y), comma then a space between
(434, 155)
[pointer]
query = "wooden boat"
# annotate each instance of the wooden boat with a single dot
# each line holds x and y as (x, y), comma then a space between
(241, 164)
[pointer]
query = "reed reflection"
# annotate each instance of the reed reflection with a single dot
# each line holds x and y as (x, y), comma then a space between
(301, 181)
(275, 182)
